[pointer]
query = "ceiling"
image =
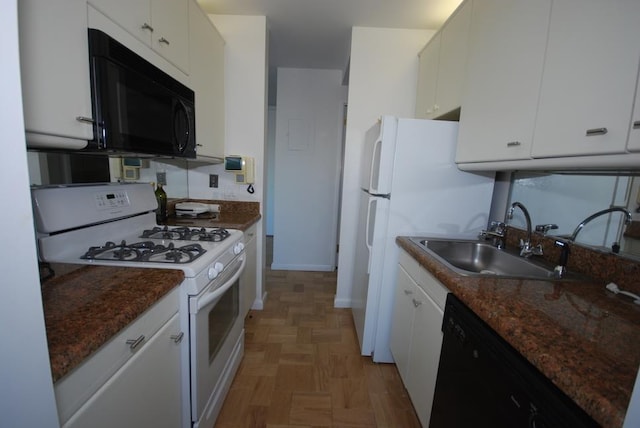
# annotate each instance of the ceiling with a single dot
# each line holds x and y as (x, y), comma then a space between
(317, 33)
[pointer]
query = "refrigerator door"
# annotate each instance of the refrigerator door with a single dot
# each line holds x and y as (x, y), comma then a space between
(378, 156)
(369, 252)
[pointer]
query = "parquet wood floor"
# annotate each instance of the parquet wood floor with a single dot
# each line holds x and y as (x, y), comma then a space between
(302, 367)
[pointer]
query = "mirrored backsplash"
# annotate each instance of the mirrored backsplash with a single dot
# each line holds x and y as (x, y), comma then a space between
(566, 200)
(65, 168)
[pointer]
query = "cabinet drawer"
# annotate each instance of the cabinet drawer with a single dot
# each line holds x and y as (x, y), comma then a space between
(79, 385)
(427, 282)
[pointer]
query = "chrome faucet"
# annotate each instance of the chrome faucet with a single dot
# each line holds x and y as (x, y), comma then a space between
(526, 250)
(495, 233)
(627, 220)
(561, 268)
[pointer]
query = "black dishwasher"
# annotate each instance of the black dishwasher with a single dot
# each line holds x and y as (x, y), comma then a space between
(484, 382)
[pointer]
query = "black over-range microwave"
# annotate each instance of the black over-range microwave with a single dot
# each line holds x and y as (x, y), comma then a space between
(137, 107)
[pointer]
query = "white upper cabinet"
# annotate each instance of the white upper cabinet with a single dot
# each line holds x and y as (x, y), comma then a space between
(452, 63)
(55, 73)
(442, 65)
(590, 74)
(160, 24)
(507, 43)
(428, 79)
(633, 144)
(206, 62)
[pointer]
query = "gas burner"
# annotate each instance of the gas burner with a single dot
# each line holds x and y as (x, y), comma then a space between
(145, 251)
(186, 234)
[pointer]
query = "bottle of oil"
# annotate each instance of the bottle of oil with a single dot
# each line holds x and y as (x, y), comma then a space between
(161, 212)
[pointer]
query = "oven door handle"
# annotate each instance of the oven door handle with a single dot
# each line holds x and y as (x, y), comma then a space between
(213, 295)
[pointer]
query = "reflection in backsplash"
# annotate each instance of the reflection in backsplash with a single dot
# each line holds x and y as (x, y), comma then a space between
(65, 168)
(184, 178)
(566, 200)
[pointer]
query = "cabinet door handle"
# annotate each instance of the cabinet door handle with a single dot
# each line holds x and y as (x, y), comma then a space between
(163, 40)
(134, 343)
(513, 143)
(596, 131)
(146, 26)
(177, 338)
(636, 124)
(408, 292)
(85, 119)
(416, 303)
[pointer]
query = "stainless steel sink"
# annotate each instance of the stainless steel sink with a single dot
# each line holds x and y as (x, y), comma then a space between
(478, 258)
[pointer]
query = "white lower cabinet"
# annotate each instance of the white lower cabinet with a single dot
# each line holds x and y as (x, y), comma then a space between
(249, 276)
(416, 335)
(145, 392)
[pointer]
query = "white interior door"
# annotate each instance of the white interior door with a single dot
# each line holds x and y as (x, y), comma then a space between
(307, 169)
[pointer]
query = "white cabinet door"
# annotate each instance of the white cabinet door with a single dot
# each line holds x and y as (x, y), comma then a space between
(452, 62)
(249, 276)
(426, 342)
(132, 15)
(633, 145)
(55, 73)
(402, 322)
(507, 43)
(416, 332)
(170, 38)
(159, 24)
(590, 71)
(427, 79)
(206, 65)
(145, 392)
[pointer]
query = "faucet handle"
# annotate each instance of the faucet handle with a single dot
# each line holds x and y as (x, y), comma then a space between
(545, 228)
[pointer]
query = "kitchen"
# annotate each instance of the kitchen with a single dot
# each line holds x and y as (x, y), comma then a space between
(10, 168)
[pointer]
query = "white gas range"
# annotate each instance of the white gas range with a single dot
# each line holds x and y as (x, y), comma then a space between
(114, 225)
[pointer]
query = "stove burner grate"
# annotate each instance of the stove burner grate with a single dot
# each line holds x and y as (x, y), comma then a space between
(145, 251)
(186, 234)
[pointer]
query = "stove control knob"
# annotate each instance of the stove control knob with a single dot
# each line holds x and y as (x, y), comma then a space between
(238, 248)
(215, 270)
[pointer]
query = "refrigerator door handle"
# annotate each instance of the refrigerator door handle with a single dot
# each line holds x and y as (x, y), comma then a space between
(366, 233)
(374, 168)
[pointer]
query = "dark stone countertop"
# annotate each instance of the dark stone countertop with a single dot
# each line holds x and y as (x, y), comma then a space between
(582, 337)
(233, 215)
(88, 305)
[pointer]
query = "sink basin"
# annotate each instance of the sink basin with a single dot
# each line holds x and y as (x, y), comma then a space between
(478, 258)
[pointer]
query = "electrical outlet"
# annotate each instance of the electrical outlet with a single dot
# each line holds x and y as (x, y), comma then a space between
(213, 180)
(161, 178)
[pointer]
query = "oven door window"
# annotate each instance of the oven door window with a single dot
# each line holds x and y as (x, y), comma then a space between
(222, 318)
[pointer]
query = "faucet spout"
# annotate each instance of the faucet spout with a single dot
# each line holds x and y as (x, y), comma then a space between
(525, 247)
(583, 223)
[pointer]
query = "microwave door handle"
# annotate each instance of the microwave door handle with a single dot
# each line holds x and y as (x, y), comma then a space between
(210, 297)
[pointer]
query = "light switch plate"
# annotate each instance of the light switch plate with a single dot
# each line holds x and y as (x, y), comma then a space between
(161, 178)
(213, 180)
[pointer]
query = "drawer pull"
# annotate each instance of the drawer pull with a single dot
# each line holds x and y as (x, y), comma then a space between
(636, 124)
(146, 26)
(513, 143)
(416, 303)
(85, 119)
(163, 40)
(134, 343)
(177, 338)
(596, 131)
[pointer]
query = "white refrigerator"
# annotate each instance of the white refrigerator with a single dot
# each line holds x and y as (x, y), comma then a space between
(411, 187)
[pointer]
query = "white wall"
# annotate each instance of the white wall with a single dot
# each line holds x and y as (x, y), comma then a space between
(25, 374)
(382, 81)
(270, 163)
(306, 173)
(245, 123)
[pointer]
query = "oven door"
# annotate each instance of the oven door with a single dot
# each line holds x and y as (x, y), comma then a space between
(215, 328)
